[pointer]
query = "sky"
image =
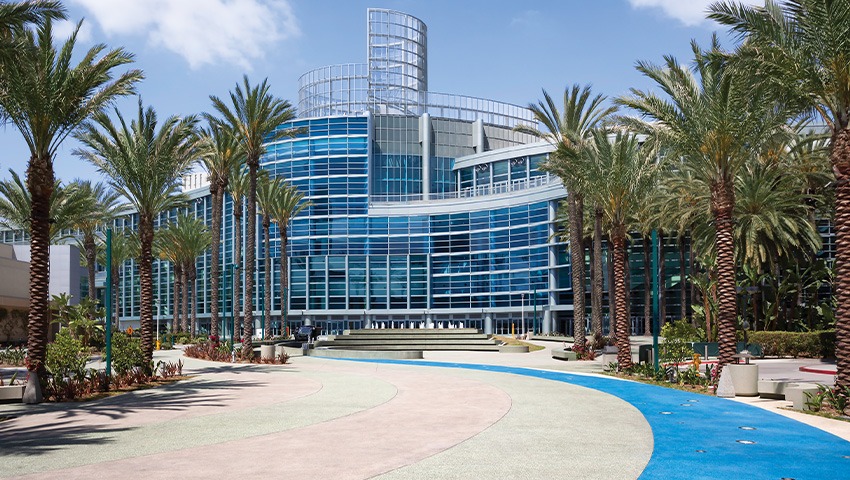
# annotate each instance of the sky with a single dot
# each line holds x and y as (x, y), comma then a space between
(501, 50)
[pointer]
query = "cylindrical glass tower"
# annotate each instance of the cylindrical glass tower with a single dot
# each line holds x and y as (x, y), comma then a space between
(398, 61)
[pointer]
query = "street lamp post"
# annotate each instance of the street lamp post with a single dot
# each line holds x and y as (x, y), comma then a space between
(522, 312)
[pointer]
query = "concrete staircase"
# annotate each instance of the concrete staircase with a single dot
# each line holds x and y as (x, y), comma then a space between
(468, 339)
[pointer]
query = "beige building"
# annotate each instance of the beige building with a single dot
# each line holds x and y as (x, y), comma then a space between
(14, 295)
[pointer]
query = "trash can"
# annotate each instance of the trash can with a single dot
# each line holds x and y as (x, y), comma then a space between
(267, 352)
(645, 354)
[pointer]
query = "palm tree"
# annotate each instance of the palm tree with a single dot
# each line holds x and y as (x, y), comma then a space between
(254, 116)
(715, 123)
(569, 132)
(621, 175)
(46, 97)
(167, 247)
(238, 188)
(222, 155)
(15, 17)
(799, 49)
(101, 207)
(67, 203)
(125, 247)
(267, 190)
(286, 205)
(182, 242)
(144, 162)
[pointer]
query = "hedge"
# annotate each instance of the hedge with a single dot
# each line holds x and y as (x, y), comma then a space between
(817, 344)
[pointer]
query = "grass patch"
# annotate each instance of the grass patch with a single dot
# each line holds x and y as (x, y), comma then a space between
(825, 412)
(514, 341)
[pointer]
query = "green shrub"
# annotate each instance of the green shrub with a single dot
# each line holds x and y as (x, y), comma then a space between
(682, 330)
(818, 344)
(64, 356)
(126, 353)
(676, 347)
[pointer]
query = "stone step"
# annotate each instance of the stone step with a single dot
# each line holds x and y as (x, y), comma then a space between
(400, 337)
(339, 341)
(467, 347)
(418, 331)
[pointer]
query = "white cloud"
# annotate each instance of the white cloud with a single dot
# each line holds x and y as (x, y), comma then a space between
(203, 32)
(689, 12)
(62, 29)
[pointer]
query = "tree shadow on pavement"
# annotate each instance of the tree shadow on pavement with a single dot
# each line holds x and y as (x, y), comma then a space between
(23, 440)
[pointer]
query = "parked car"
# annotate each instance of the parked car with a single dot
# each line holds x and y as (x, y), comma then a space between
(307, 333)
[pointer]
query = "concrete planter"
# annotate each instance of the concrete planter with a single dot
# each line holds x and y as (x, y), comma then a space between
(745, 380)
(12, 393)
(267, 352)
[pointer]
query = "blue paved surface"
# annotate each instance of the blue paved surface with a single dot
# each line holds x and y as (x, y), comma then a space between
(699, 436)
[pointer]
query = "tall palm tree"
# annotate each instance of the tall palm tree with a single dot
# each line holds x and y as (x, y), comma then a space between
(238, 188)
(254, 115)
(167, 247)
(267, 190)
(125, 247)
(47, 97)
(569, 132)
(799, 49)
(182, 242)
(143, 161)
(286, 205)
(222, 155)
(101, 207)
(712, 120)
(621, 175)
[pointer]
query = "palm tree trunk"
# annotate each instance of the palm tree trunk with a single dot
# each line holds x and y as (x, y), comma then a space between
(193, 277)
(662, 283)
(840, 159)
(267, 294)
(692, 258)
(250, 259)
(237, 280)
(722, 206)
(217, 192)
(596, 274)
(146, 287)
(91, 258)
(624, 351)
(284, 277)
(576, 209)
(184, 297)
(612, 308)
(40, 184)
(175, 302)
(647, 285)
(683, 284)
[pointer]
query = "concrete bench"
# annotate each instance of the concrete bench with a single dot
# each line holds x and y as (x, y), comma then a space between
(561, 354)
(513, 348)
(774, 389)
(796, 394)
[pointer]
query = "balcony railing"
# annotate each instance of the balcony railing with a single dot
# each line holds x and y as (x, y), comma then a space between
(499, 188)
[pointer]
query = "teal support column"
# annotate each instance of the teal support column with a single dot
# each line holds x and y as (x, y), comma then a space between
(108, 300)
(655, 285)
